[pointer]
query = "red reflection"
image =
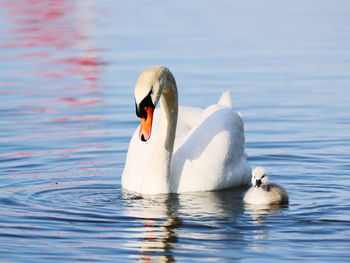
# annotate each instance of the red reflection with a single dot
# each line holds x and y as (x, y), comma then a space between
(88, 65)
(93, 61)
(55, 40)
(60, 119)
(58, 79)
(80, 102)
(58, 28)
(38, 23)
(18, 154)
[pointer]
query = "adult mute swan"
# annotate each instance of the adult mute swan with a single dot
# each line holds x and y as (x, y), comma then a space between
(206, 154)
(264, 193)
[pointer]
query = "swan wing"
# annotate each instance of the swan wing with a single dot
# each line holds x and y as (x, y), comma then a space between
(209, 151)
(212, 155)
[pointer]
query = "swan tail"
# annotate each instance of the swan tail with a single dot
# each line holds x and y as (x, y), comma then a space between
(225, 99)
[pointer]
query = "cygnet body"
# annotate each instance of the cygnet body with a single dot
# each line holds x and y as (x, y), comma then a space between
(264, 193)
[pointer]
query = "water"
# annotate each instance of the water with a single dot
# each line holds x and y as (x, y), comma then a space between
(67, 114)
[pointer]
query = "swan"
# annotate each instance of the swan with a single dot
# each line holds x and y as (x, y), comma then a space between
(264, 193)
(207, 153)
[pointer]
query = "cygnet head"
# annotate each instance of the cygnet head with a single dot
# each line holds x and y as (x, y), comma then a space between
(259, 177)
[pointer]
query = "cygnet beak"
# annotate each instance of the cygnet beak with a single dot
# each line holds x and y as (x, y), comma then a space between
(257, 183)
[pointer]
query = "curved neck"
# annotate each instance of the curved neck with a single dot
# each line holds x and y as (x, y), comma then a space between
(168, 118)
(158, 173)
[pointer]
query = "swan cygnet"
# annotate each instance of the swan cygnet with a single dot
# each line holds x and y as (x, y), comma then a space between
(264, 193)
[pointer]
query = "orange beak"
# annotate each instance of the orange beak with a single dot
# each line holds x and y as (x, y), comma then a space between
(146, 124)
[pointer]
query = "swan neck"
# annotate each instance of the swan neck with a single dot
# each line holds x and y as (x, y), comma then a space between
(168, 119)
(159, 169)
(167, 123)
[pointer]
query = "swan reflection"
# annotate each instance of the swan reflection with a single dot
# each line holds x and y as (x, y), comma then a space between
(162, 219)
(155, 233)
(261, 215)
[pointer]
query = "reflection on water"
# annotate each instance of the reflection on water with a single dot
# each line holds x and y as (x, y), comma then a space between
(156, 237)
(161, 221)
(67, 114)
(260, 216)
(260, 213)
(56, 87)
(55, 38)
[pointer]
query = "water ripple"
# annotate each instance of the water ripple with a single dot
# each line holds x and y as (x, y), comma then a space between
(67, 114)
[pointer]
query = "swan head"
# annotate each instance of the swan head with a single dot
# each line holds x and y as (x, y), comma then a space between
(148, 88)
(259, 177)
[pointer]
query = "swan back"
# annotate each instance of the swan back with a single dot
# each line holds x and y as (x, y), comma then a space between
(212, 156)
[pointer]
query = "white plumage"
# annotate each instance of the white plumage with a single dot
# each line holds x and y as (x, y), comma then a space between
(264, 193)
(207, 153)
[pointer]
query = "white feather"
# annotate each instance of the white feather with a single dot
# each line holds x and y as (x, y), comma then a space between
(208, 152)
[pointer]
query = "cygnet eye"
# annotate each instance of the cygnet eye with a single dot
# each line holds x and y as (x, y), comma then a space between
(263, 176)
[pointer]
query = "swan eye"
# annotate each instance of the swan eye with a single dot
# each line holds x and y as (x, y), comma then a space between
(146, 102)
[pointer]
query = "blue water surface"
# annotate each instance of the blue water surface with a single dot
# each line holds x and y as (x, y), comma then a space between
(67, 114)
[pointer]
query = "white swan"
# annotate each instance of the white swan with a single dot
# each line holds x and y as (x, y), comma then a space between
(207, 153)
(264, 193)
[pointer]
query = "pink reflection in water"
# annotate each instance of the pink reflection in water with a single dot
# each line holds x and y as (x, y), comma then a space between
(80, 102)
(55, 42)
(57, 80)
(37, 23)
(63, 30)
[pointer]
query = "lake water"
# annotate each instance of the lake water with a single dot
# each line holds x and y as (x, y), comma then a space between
(67, 114)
